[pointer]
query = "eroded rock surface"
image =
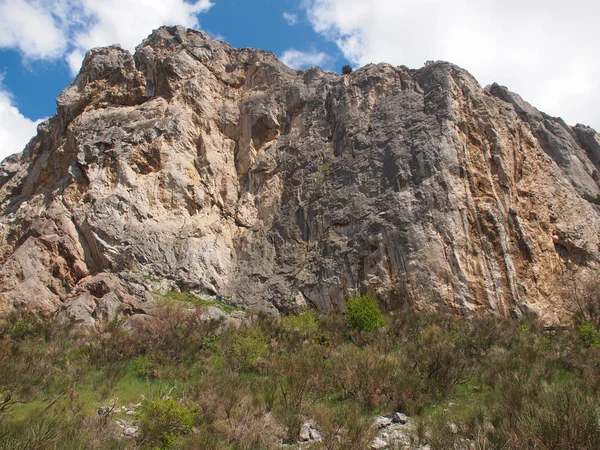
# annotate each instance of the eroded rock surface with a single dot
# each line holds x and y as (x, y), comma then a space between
(222, 172)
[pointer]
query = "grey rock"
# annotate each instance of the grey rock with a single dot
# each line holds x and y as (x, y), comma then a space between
(222, 172)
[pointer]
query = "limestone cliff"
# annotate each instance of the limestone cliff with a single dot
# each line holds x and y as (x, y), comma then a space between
(220, 171)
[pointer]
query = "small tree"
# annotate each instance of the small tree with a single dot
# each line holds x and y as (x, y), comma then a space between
(363, 314)
(346, 69)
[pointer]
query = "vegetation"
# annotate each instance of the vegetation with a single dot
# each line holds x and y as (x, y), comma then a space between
(364, 314)
(193, 384)
(346, 69)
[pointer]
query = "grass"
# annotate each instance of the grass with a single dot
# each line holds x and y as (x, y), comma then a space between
(497, 383)
(185, 297)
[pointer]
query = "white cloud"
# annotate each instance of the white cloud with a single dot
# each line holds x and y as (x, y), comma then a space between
(68, 28)
(301, 60)
(15, 129)
(128, 22)
(30, 28)
(545, 50)
(291, 18)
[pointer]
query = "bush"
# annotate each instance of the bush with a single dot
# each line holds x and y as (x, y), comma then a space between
(245, 348)
(162, 420)
(344, 427)
(363, 314)
(588, 334)
(144, 367)
(561, 417)
(346, 69)
(304, 323)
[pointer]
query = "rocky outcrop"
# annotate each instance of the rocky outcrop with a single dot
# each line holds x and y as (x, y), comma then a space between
(227, 174)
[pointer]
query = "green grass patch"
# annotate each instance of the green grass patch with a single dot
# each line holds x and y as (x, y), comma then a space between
(186, 297)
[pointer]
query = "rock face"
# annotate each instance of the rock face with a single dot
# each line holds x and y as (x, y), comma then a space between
(222, 172)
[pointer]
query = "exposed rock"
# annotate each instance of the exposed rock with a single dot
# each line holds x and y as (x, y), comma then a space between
(379, 443)
(399, 418)
(130, 431)
(222, 172)
(382, 421)
(309, 432)
(315, 435)
(305, 432)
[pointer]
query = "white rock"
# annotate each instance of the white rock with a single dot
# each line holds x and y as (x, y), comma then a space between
(379, 443)
(383, 422)
(305, 432)
(130, 431)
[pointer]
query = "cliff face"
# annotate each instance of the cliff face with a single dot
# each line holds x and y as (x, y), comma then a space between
(221, 171)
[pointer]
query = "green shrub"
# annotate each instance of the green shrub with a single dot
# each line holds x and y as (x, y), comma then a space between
(588, 334)
(363, 314)
(144, 367)
(162, 420)
(304, 322)
(246, 347)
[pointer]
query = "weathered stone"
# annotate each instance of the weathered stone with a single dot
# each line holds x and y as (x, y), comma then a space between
(399, 418)
(315, 434)
(130, 431)
(379, 443)
(222, 172)
(305, 432)
(382, 421)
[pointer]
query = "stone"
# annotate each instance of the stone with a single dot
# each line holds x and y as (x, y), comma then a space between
(305, 432)
(379, 443)
(382, 421)
(130, 431)
(315, 435)
(196, 166)
(399, 418)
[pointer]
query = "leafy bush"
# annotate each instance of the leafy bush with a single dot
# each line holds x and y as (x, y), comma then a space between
(245, 348)
(162, 420)
(144, 367)
(304, 322)
(363, 314)
(588, 334)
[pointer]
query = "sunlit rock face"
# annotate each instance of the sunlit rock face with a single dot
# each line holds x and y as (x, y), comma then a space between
(192, 165)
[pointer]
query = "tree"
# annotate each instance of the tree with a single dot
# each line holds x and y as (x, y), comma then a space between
(346, 69)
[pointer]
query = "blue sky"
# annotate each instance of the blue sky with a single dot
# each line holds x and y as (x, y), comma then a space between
(543, 50)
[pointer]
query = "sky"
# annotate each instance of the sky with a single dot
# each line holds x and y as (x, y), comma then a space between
(546, 51)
